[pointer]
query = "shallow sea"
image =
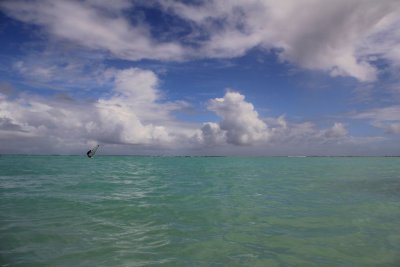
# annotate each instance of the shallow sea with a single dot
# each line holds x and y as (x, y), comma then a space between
(199, 211)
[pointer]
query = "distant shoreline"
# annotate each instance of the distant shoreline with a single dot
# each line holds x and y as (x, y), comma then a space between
(207, 156)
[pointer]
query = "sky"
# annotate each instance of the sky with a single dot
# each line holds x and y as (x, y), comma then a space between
(213, 77)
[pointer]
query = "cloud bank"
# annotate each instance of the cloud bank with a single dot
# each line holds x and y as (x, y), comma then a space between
(129, 115)
(241, 125)
(343, 38)
(134, 114)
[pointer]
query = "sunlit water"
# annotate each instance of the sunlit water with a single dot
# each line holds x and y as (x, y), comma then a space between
(199, 211)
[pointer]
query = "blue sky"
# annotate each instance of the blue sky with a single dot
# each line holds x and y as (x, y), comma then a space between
(254, 77)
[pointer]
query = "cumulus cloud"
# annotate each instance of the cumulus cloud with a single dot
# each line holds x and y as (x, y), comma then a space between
(240, 124)
(132, 104)
(131, 114)
(340, 37)
(338, 130)
(212, 134)
(284, 133)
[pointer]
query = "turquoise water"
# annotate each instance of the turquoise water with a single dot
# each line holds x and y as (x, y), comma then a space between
(199, 211)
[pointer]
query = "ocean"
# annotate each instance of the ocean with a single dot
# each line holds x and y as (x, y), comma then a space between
(199, 211)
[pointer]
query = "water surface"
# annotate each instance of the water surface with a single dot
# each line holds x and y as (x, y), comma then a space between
(199, 211)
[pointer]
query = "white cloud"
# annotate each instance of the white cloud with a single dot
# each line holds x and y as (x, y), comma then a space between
(32, 124)
(387, 118)
(95, 25)
(284, 132)
(132, 105)
(211, 134)
(276, 136)
(338, 130)
(54, 69)
(131, 114)
(137, 85)
(37, 72)
(380, 114)
(339, 37)
(240, 123)
(322, 35)
(384, 38)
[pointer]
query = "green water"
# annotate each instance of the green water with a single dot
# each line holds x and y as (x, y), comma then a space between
(199, 211)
